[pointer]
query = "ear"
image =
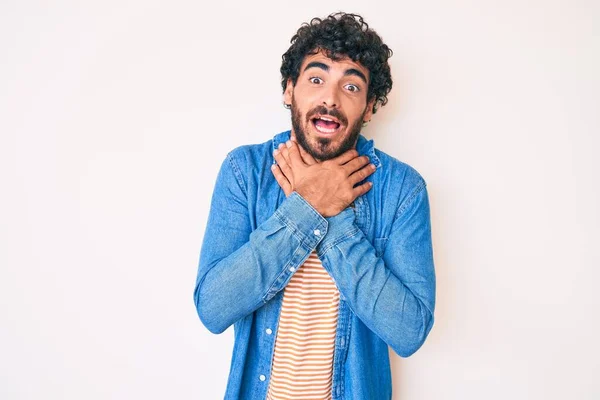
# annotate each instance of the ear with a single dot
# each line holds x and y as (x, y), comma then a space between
(289, 91)
(369, 112)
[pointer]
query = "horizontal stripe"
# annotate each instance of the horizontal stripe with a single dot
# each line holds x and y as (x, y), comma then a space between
(316, 328)
(300, 377)
(304, 386)
(304, 353)
(305, 340)
(301, 387)
(301, 338)
(315, 371)
(311, 320)
(301, 345)
(285, 394)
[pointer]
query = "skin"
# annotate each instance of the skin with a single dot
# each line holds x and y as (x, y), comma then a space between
(324, 168)
(338, 87)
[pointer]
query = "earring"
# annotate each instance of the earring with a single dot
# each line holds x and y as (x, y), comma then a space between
(365, 123)
(287, 106)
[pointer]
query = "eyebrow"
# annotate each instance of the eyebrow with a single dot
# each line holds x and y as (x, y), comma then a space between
(325, 67)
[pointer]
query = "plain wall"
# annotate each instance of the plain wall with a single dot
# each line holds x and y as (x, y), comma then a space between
(114, 119)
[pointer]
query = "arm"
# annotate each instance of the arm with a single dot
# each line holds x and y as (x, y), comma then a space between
(239, 269)
(394, 295)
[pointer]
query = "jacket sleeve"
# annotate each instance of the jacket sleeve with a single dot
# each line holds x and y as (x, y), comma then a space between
(393, 293)
(240, 269)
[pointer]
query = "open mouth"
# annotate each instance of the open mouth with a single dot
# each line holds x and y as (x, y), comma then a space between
(325, 124)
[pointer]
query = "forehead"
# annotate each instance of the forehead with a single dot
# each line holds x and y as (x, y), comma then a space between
(342, 64)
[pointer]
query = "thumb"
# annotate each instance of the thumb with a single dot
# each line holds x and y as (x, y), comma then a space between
(294, 153)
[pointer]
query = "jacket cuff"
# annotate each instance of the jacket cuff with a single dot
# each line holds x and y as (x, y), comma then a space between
(303, 220)
(340, 227)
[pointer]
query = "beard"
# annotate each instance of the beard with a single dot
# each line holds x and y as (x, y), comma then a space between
(322, 149)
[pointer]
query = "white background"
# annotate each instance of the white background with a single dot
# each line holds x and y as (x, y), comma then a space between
(114, 119)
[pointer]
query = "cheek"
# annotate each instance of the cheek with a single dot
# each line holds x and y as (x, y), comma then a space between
(353, 115)
(359, 110)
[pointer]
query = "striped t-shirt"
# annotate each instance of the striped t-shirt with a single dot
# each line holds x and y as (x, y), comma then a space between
(303, 355)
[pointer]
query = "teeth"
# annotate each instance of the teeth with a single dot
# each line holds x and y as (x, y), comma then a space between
(324, 130)
(326, 119)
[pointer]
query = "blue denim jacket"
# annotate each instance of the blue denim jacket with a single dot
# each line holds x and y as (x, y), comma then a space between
(378, 252)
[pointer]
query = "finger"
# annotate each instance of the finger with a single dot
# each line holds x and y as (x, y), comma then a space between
(281, 149)
(345, 157)
(295, 158)
(361, 189)
(355, 164)
(286, 155)
(283, 164)
(281, 179)
(361, 174)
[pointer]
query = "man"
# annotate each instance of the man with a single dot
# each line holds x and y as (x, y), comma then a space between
(318, 246)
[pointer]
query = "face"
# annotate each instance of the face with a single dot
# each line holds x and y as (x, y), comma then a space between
(329, 105)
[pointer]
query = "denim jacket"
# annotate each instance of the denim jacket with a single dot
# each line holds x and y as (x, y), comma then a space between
(378, 252)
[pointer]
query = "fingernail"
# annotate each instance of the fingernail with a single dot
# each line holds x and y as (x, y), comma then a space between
(372, 166)
(275, 152)
(280, 146)
(288, 143)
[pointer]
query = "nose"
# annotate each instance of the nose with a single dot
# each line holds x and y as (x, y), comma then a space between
(330, 96)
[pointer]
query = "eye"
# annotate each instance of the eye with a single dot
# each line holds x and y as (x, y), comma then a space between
(352, 88)
(315, 80)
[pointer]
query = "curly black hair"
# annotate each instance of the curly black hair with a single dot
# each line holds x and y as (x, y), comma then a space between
(342, 35)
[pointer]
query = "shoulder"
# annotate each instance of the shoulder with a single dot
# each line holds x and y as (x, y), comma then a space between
(246, 159)
(259, 155)
(402, 172)
(248, 154)
(252, 149)
(402, 180)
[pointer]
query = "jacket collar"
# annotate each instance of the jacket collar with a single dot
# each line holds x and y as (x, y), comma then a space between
(364, 146)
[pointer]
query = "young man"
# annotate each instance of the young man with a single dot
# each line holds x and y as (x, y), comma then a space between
(318, 245)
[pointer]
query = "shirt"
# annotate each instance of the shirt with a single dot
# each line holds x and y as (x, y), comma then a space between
(303, 356)
(378, 252)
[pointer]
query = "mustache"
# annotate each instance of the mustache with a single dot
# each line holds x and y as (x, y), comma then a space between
(322, 110)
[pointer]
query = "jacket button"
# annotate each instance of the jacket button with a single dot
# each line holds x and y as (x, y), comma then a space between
(269, 331)
(317, 232)
(262, 378)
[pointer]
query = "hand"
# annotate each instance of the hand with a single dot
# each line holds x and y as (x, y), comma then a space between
(328, 186)
(283, 171)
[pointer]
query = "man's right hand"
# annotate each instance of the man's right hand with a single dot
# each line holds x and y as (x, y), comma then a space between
(328, 186)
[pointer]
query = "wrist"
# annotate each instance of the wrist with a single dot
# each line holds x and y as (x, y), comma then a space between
(339, 227)
(311, 197)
